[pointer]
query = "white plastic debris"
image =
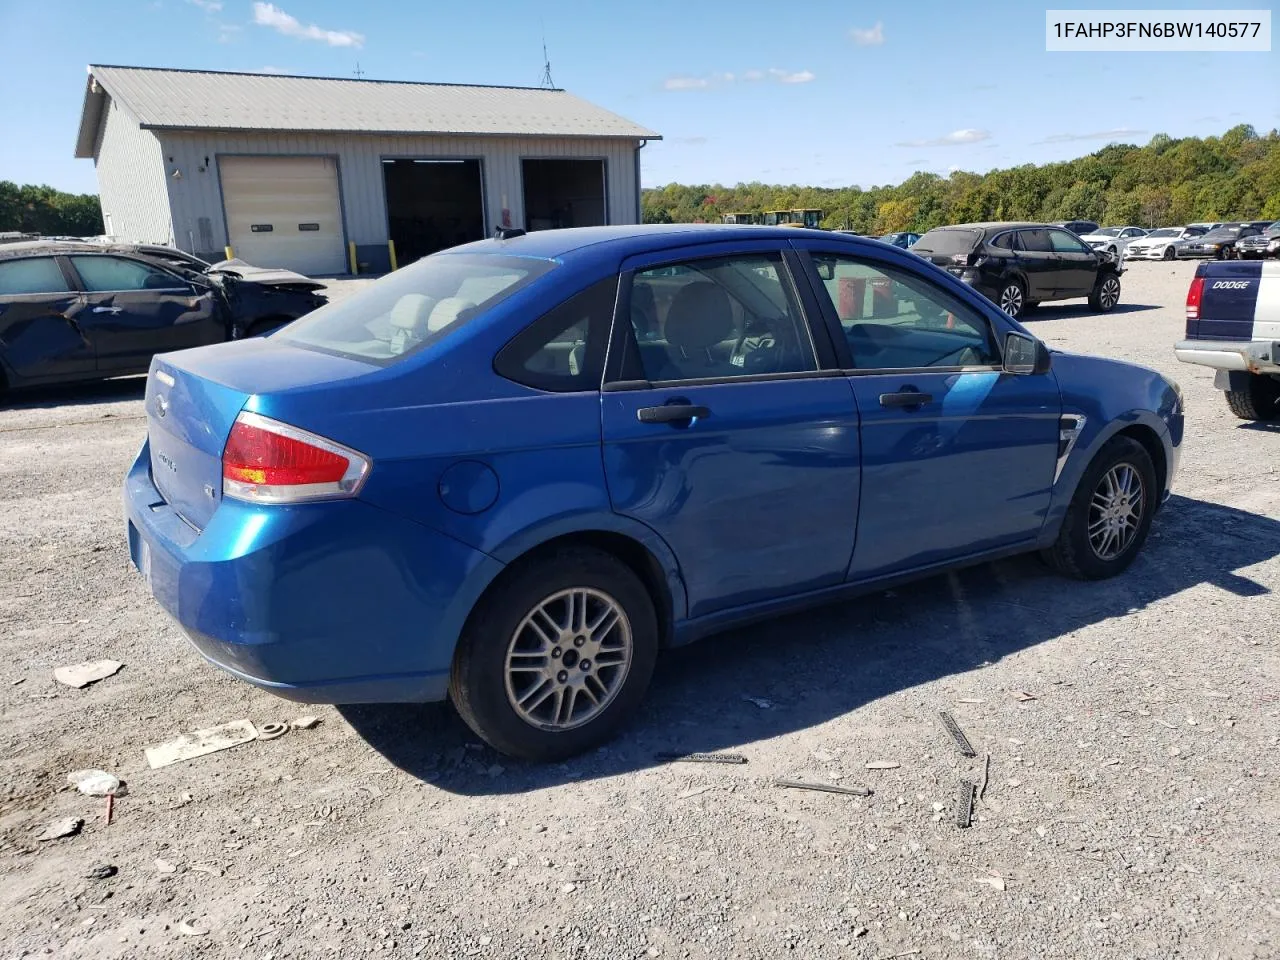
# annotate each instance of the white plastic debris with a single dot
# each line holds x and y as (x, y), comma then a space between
(82, 674)
(94, 783)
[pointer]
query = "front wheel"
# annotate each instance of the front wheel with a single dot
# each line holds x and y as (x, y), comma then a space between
(1106, 293)
(556, 656)
(1225, 253)
(1110, 515)
(1012, 298)
(1169, 254)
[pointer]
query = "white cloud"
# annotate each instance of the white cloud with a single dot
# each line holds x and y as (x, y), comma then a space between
(270, 69)
(1096, 135)
(954, 138)
(269, 15)
(722, 79)
(208, 6)
(783, 76)
(228, 32)
(685, 83)
(869, 36)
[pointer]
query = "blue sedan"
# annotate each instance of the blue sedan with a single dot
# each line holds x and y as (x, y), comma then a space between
(511, 473)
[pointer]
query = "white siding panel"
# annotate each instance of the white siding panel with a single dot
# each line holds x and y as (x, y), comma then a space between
(360, 174)
(131, 180)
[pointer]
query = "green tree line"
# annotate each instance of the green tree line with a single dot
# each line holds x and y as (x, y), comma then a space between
(1166, 182)
(41, 209)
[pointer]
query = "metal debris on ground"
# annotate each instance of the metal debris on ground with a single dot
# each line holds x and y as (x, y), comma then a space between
(111, 806)
(692, 793)
(200, 742)
(164, 866)
(269, 731)
(996, 882)
(953, 728)
(986, 773)
(883, 764)
(964, 808)
(67, 827)
(102, 871)
(971, 700)
(94, 783)
(702, 757)
(80, 675)
(304, 723)
(896, 956)
(1023, 696)
(856, 790)
(188, 928)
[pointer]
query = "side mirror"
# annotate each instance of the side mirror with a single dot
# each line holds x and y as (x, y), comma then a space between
(826, 269)
(1025, 355)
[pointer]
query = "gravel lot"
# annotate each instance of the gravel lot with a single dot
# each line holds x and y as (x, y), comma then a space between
(1130, 810)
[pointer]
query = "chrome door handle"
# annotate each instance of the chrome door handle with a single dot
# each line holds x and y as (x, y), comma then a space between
(107, 309)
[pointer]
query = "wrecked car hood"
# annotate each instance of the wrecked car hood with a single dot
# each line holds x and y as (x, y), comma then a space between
(267, 276)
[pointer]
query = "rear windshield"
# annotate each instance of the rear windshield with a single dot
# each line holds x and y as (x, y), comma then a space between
(413, 307)
(948, 240)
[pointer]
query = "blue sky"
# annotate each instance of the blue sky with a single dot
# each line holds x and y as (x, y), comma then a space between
(815, 92)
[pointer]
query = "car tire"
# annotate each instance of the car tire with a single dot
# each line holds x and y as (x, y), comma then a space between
(1170, 254)
(1224, 253)
(1012, 298)
(498, 684)
(1079, 554)
(1030, 305)
(1106, 293)
(1260, 400)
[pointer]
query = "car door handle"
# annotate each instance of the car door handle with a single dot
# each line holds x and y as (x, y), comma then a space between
(671, 413)
(905, 398)
(107, 309)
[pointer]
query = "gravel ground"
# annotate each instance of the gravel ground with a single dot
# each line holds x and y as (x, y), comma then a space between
(1130, 809)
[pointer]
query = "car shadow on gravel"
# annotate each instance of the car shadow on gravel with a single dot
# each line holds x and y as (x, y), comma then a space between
(1061, 311)
(735, 689)
(76, 394)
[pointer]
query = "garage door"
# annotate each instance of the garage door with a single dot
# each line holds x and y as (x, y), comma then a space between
(284, 212)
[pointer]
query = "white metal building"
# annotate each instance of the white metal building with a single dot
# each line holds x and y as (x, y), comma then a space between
(314, 173)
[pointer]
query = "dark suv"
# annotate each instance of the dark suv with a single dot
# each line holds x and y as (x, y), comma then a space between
(1018, 265)
(1078, 227)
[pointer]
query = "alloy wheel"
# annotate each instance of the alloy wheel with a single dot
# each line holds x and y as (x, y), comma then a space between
(1169, 253)
(568, 659)
(1110, 293)
(1115, 512)
(1011, 299)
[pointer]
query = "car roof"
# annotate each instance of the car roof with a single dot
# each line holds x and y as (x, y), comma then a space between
(994, 225)
(49, 247)
(634, 239)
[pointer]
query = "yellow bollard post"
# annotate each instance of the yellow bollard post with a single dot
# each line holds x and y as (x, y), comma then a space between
(351, 249)
(391, 248)
(229, 252)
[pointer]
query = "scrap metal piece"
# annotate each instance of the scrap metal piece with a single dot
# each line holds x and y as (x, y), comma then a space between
(702, 757)
(986, 773)
(953, 728)
(855, 791)
(964, 809)
(200, 742)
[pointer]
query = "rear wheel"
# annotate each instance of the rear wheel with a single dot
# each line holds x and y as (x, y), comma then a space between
(1259, 400)
(1106, 293)
(1110, 514)
(557, 656)
(1012, 298)
(1224, 252)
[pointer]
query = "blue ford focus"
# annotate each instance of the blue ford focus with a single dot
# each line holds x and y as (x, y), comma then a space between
(513, 472)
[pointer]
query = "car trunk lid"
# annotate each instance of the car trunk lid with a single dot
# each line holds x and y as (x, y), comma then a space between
(193, 398)
(1226, 300)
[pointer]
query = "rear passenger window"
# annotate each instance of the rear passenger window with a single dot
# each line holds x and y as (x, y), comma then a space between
(563, 350)
(34, 275)
(1004, 241)
(720, 317)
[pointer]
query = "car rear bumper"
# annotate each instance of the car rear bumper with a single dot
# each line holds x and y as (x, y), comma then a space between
(337, 602)
(1252, 356)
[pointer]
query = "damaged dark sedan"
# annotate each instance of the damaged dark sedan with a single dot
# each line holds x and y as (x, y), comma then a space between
(71, 311)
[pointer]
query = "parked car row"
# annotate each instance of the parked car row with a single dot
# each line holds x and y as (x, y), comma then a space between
(83, 311)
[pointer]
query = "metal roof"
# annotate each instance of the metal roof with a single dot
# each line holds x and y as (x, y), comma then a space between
(162, 99)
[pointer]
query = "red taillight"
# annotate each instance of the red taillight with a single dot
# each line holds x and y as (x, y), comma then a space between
(266, 461)
(1195, 293)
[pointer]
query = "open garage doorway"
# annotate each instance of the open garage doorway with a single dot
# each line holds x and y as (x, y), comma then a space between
(432, 204)
(563, 193)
